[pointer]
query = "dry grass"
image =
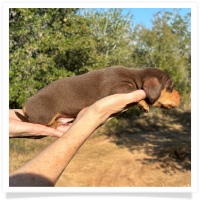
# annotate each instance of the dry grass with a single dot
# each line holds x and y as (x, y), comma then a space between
(22, 150)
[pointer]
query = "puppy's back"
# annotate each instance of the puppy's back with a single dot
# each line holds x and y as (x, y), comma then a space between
(68, 96)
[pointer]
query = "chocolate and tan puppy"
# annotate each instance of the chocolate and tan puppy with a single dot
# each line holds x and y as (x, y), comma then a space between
(67, 96)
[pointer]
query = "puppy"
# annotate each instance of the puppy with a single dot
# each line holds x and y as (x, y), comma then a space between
(67, 96)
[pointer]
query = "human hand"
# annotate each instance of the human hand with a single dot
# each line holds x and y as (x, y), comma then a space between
(18, 128)
(101, 110)
(106, 108)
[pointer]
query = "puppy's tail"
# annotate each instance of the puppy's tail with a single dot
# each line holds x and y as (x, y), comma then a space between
(23, 118)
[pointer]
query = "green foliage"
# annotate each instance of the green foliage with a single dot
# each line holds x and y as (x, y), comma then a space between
(111, 31)
(47, 44)
(167, 45)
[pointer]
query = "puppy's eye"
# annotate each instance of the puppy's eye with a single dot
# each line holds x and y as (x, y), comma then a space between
(169, 89)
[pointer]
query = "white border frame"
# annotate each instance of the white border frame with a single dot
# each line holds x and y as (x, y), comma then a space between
(103, 4)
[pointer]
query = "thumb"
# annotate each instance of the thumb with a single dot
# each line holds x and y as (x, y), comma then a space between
(135, 96)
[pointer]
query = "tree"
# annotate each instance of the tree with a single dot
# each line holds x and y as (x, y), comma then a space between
(45, 45)
(49, 44)
(167, 46)
(111, 30)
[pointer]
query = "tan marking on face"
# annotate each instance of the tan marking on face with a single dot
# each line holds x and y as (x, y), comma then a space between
(168, 99)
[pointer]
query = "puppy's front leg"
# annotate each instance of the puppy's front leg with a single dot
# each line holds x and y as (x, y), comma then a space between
(143, 106)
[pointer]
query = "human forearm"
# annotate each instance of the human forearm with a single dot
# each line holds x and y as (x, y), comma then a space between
(45, 169)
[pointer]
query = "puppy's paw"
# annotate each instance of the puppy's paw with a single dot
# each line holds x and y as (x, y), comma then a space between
(143, 106)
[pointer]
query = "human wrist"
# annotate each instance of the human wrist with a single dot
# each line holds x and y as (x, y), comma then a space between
(93, 117)
(86, 123)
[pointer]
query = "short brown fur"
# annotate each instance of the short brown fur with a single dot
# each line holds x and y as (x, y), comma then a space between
(67, 96)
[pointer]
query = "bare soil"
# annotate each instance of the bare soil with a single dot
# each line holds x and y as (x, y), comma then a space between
(153, 150)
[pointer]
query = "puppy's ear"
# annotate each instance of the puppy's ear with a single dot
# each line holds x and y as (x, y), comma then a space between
(153, 88)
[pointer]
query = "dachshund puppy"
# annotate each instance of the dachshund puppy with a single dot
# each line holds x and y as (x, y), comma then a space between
(67, 96)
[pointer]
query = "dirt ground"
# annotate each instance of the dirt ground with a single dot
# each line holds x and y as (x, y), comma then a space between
(150, 151)
(144, 151)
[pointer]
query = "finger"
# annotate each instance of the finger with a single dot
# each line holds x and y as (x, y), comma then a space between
(134, 96)
(118, 102)
(44, 130)
(18, 129)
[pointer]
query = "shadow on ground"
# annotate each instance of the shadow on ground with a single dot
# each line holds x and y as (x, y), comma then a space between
(164, 138)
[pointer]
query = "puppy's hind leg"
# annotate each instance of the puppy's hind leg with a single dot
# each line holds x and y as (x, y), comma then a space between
(58, 120)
